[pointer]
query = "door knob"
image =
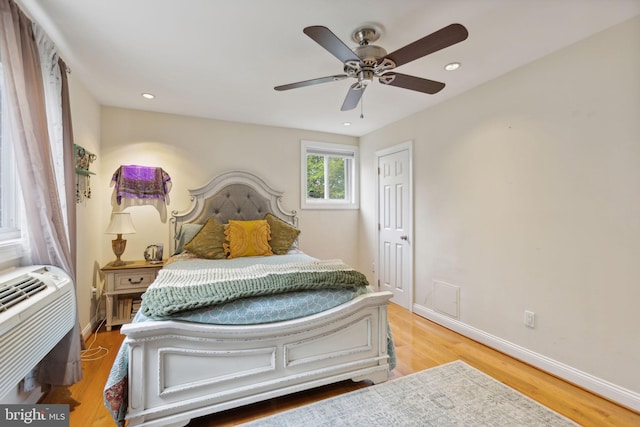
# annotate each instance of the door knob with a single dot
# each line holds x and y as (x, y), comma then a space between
(405, 237)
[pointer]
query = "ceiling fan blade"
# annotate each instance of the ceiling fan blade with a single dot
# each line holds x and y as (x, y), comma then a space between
(444, 37)
(325, 38)
(411, 82)
(353, 97)
(311, 82)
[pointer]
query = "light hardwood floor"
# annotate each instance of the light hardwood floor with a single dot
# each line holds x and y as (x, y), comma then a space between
(420, 344)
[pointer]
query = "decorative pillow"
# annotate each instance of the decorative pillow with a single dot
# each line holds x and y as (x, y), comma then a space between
(208, 242)
(186, 233)
(283, 235)
(247, 238)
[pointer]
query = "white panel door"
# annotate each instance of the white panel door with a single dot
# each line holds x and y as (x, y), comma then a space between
(394, 242)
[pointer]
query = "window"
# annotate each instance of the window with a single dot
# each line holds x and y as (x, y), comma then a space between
(10, 201)
(329, 176)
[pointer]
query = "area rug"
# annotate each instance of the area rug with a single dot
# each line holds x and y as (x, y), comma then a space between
(454, 394)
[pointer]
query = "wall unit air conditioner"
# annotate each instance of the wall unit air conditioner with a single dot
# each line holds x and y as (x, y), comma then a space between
(37, 309)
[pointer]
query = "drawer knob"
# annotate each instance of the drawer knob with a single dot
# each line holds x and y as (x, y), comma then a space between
(136, 282)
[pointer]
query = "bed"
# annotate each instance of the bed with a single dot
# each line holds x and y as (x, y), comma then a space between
(182, 360)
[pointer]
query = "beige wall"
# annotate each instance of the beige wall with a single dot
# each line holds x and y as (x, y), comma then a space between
(527, 196)
(85, 114)
(193, 150)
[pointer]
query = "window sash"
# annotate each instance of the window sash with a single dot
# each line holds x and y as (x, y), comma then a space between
(330, 153)
(327, 183)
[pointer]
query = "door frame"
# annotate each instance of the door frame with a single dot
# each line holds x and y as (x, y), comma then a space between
(408, 145)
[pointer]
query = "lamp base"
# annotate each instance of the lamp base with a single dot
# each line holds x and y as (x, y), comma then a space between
(118, 245)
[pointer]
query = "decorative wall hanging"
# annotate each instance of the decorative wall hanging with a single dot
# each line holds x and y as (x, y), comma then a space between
(141, 185)
(83, 160)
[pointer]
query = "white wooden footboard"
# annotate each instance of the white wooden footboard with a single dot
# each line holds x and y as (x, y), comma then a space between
(182, 370)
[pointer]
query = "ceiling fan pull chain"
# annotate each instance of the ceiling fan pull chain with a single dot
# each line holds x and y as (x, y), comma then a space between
(362, 107)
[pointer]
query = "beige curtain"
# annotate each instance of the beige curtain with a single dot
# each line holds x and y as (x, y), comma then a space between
(48, 240)
(69, 163)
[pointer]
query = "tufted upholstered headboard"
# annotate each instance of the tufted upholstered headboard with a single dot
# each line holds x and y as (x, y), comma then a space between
(235, 195)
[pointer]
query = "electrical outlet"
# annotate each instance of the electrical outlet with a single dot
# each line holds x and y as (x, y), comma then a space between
(530, 319)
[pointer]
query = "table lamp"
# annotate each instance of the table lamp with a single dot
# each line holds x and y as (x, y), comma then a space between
(120, 224)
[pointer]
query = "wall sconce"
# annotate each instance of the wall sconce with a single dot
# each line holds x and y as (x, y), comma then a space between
(120, 224)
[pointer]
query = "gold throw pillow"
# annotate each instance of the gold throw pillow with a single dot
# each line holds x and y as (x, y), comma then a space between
(247, 238)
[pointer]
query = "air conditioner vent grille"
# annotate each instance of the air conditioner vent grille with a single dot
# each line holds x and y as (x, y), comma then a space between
(19, 289)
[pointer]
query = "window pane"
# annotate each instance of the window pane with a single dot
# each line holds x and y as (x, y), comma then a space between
(337, 178)
(9, 202)
(315, 177)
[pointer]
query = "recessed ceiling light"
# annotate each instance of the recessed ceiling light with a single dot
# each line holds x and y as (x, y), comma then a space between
(347, 123)
(452, 66)
(148, 95)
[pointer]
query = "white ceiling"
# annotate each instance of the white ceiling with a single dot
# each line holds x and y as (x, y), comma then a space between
(221, 59)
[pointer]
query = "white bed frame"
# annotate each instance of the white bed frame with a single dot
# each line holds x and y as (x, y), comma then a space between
(181, 370)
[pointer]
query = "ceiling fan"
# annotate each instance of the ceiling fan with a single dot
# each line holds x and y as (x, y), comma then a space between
(369, 61)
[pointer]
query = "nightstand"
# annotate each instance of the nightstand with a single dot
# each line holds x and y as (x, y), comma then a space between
(124, 286)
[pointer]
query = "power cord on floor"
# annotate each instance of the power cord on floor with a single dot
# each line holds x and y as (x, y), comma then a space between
(90, 353)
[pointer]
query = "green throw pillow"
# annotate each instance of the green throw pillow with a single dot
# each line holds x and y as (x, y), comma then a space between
(208, 242)
(283, 235)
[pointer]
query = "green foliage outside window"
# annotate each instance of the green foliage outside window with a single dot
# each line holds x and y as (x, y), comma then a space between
(336, 178)
(316, 178)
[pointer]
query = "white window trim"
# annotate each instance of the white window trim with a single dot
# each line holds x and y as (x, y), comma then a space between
(338, 149)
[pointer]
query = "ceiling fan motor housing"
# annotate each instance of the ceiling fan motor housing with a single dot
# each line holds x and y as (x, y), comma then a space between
(372, 63)
(370, 54)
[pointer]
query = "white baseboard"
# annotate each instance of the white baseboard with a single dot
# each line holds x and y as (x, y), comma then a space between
(617, 394)
(90, 327)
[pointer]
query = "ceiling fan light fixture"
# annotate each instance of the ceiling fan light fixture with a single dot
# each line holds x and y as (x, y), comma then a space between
(365, 76)
(451, 66)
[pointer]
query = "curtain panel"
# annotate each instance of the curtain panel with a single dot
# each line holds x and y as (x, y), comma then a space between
(48, 233)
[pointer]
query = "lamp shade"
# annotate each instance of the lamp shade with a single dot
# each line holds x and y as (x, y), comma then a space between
(120, 224)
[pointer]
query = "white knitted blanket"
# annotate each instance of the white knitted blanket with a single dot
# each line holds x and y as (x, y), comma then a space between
(176, 290)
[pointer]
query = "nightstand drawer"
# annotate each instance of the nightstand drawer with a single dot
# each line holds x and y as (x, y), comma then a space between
(133, 279)
(123, 285)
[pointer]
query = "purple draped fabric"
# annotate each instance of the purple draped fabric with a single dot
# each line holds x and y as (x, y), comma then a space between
(141, 182)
